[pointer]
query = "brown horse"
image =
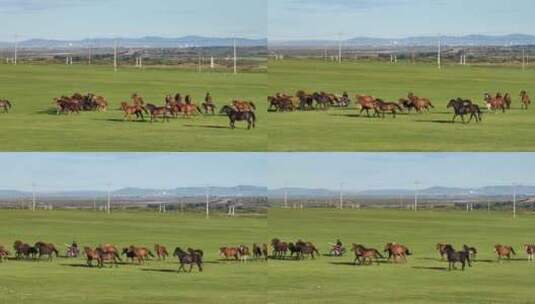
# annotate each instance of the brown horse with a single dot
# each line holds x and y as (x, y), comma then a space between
(24, 250)
(397, 252)
(420, 103)
(383, 107)
(208, 104)
(244, 253)
(130, 110)
(508, 101)
(367, 103)
(495, 103)
(3, 254)
(229, 253)
(5, 105)
(189, 108)
(243, 106)
(161, 251)
(158, 112)
(137, 253)
(504, 251)
(101, 103)
(100, 256)
(363, 254)
(526, 100)
(530, 251)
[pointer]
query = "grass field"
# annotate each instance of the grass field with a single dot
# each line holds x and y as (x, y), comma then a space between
(345, 130)
(69, 281)
(424, 279)
(33, 125)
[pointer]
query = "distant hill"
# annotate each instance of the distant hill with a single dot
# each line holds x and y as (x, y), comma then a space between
(143, 42)
(468, 40)
(140, 193)
(433, 192)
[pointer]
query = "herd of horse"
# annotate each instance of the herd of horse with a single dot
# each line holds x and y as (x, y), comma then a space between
(281, 250)
(302, 101)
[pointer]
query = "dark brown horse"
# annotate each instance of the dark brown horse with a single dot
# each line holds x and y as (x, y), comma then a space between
(158, 112)
(526, 100)
(504, 252)
(46, 249)
(5, 105)
(24, 250)
(441, 248)
(234, 116)
(280, 248)
(363, 255)
(188, 258)
(454, 257)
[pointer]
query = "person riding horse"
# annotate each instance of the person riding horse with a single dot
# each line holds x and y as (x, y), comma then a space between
(338, 249)
(73, 251)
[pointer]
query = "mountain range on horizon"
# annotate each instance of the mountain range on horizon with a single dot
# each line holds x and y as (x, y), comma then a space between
(200, 41)
(256, 191)
(141, 42)
(412, 41)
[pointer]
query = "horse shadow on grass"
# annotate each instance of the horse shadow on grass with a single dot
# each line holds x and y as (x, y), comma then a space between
(49, 111)
(161, 270)
(346, 263)
(430, 268)
(206, 127)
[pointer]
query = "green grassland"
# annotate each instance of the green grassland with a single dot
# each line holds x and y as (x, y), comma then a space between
(34, 126)
(69, 281)
(424, 279)
(345, 130)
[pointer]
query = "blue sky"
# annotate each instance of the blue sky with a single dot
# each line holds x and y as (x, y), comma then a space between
(91, 171)
(399, 170)
(75, 19)
(321, 19)
(358, 171)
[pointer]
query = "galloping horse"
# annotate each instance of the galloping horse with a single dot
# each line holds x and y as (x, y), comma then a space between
(367, 103)
(280, 248)
(161, 252)
(397, 252)
(363, 254)
(420, 103)
(100, 255)
(3, 254)
(504, 251)
(453, 256)
(46, 249)
(464, 107)
(130, 110)
(156, 112)
(383, 107)
(229, 253)
(137, 253)
(495, 103)
(471, 250)
(526, 100)
(185, 258)
(530, 251)
(441, 248)
(234, 115)
(189, 108)
(24, 250)
(5, 105)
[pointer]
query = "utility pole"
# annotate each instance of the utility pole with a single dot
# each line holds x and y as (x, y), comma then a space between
(339, 47)
(285, 197)
(207, 201)
(416, 193)
(514, 200)
(341, 195)
(115, 56)
(16, 48)
(33, 198)
(89, 55)
(235, 57)
(108, 206)
(523, 59)
(439, 55)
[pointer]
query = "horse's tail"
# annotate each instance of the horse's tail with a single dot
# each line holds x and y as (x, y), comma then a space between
(378, 253)
(150, 254)
(408, 251)
(431, 105)
(253, 115)
(8, 104)
(513, 251)
(252, 105)
(198, 109)
(116, 255)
